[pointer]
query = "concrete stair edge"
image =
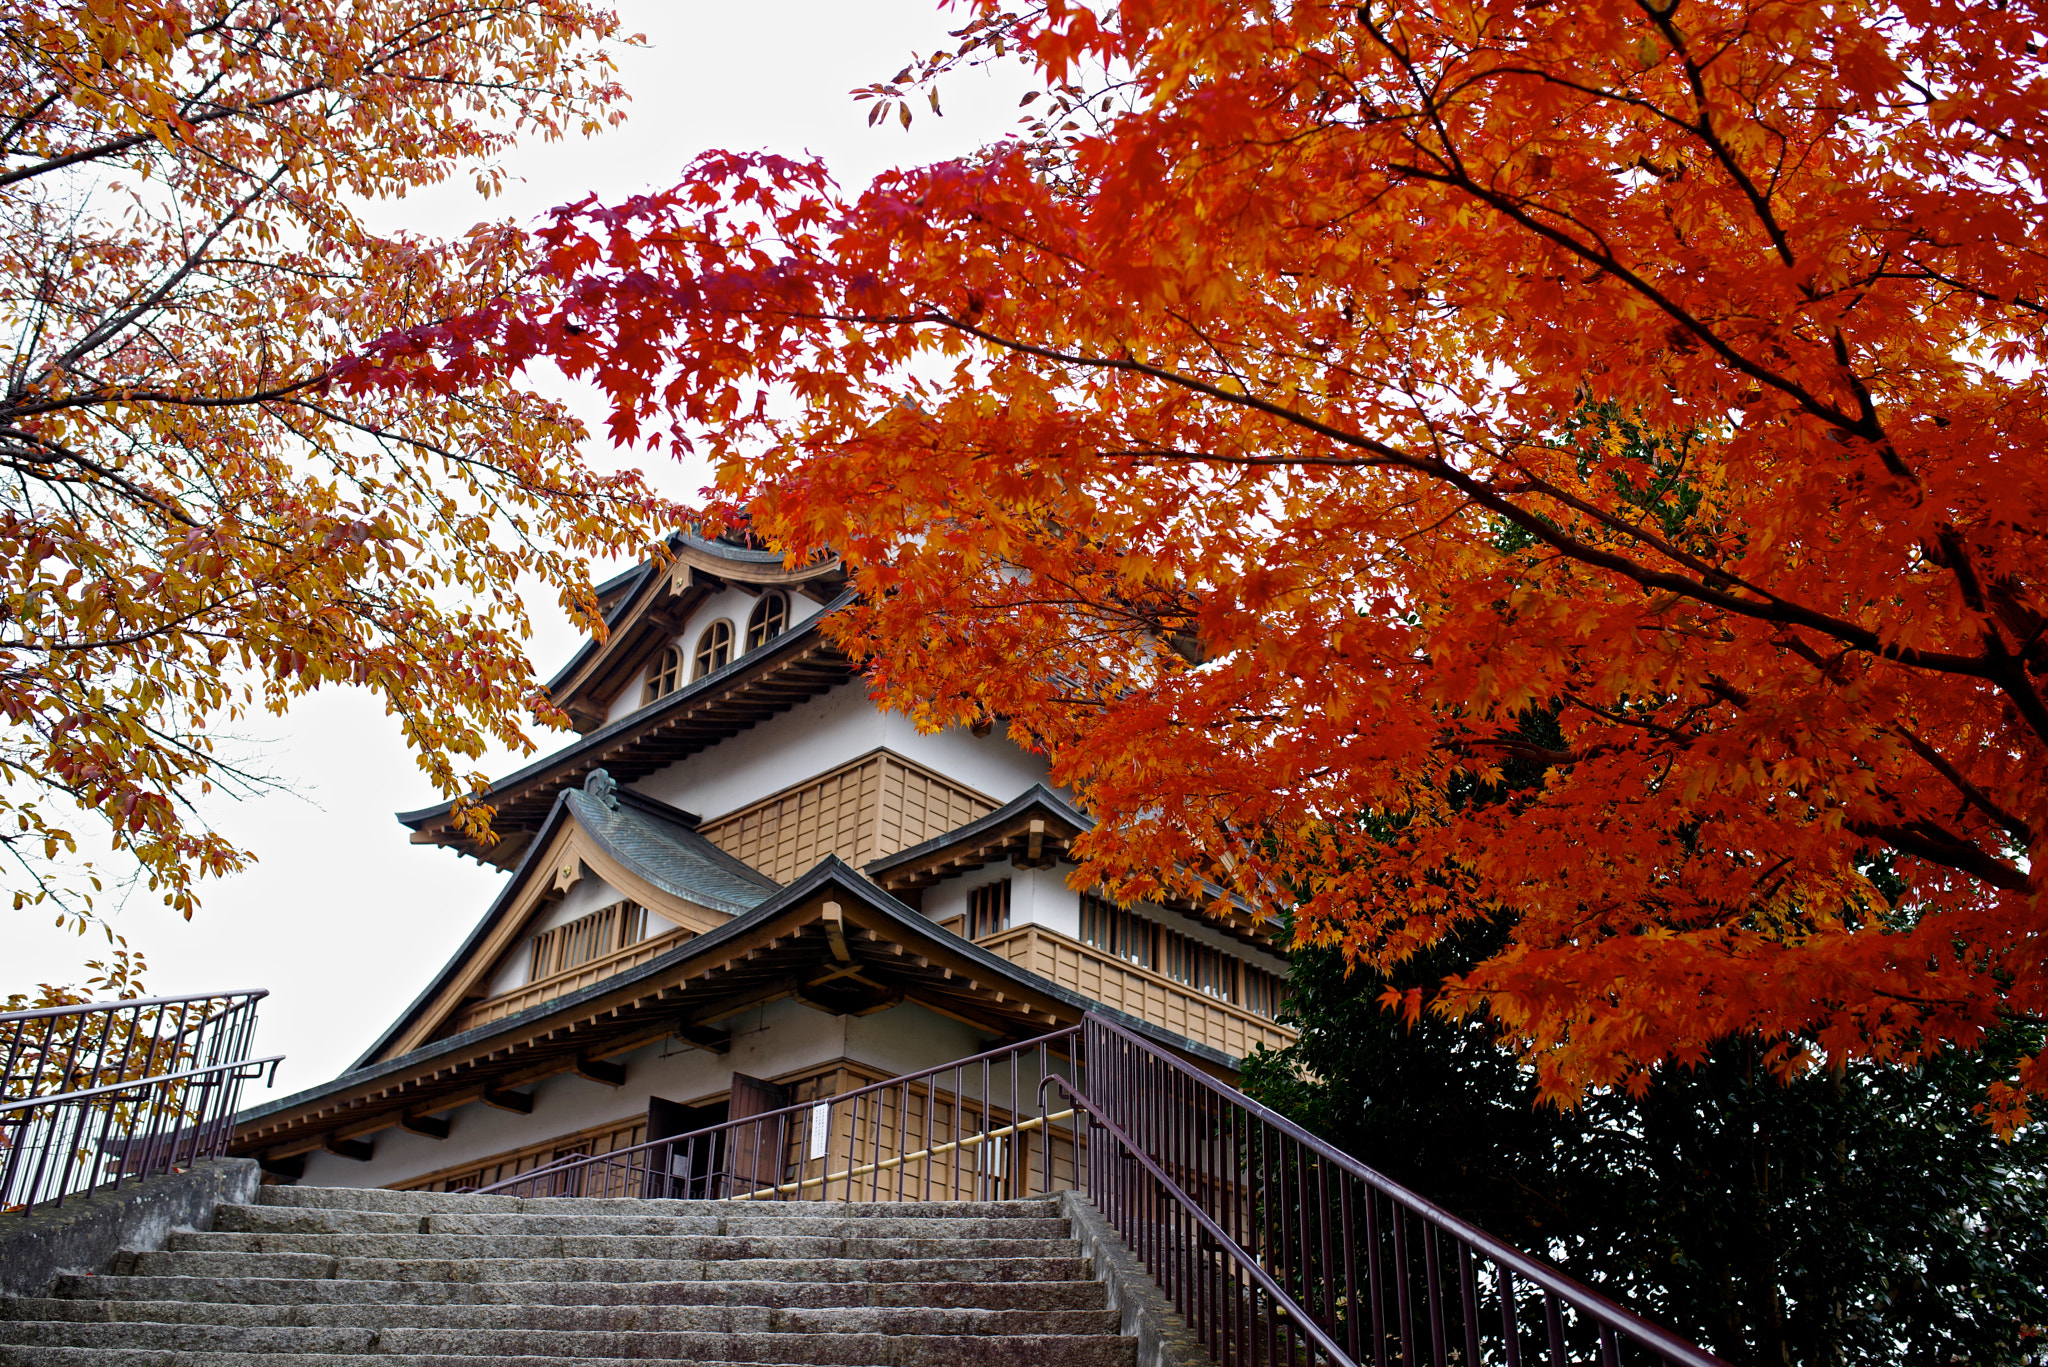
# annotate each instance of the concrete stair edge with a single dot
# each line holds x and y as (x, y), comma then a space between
(299, 1276)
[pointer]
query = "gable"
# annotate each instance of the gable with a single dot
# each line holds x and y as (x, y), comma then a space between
(832, 940)
(657, 610)
(799, 665)
(605, 853)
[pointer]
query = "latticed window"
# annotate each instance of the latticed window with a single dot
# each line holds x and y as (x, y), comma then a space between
(988, 909)
(770, 619)
(665, 675)
(714, 649)
(1205, 968)
(1264, 993)
(1116, 931)
(586, 938)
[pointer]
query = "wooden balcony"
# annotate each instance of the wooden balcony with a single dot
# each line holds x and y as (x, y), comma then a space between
(1140, 991)
(561, 984)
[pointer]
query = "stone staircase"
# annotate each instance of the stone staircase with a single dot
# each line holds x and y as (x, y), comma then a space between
(334, 1276)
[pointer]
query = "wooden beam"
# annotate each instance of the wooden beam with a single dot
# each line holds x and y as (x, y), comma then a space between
(519, 1103)
(358, 1149)
(835, 932)
(716, 1041)
(610, 1074)
(423, 1125)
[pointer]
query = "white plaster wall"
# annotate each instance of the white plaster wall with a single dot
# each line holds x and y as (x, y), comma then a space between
(789, 747)
(628, 701)
(1039, 896)
(778, 1038)
(992, 764)
(909, 1038)
(736, 606)
(561, 1104)
(822, 734)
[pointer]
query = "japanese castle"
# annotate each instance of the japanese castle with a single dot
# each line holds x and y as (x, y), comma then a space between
(743, 888)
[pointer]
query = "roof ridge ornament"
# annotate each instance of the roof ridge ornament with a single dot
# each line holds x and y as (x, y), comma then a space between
(602, 787)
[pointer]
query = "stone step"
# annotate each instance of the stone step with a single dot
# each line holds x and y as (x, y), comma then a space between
(897, 1350)
(707, 1246)
(721, 1319)
(332, 1277)
(278, 1291)
(735, 1220)
(451, 1203)
(40, 1356)
(571, 1269)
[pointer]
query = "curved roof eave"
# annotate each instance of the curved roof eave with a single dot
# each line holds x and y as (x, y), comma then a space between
(475, 938)
(830, 871)
(573, 804)
(1036, 796)
(804, 632)
(647, 573)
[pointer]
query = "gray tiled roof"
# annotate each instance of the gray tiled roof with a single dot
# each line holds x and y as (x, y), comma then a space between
(669, 853)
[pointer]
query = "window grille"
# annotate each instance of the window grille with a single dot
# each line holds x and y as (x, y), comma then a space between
(1116, 931)
(586, 938)
(1203, 967)
(769, 620)
(1264, 993)
(714, 649)
(665, 675)
(988, 909)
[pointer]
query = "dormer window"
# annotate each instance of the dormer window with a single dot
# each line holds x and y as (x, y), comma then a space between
(714, 649)
(770, 619)
(665, 675)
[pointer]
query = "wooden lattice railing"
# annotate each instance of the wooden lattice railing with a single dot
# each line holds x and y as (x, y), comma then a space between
(1138, 991)
(562, 983)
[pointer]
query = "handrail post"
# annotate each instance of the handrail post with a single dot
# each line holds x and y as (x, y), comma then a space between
(103, 1092)
(1283, 1225)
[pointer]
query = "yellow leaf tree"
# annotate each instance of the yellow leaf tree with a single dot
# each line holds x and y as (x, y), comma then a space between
(195, 523)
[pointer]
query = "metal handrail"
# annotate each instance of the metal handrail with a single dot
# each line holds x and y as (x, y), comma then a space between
(715, 1144)
(824, 1180)
(1279, 1249)
(30, 1103)
(96, 1094)
(126, 1003)
(1216, 1232)
(1612, 1320)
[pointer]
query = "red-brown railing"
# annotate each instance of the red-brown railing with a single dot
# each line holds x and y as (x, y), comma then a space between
(94, 1095)
(966, 1130)
(1279, 1250)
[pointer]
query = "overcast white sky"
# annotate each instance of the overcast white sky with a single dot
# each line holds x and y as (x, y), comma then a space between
(343, 920)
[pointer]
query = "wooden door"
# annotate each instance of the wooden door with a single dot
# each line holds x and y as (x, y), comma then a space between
(682, 1173)
(755, 1152)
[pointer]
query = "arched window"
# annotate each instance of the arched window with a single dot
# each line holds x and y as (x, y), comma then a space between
(714, 649)
(665, 675)
(770, 619)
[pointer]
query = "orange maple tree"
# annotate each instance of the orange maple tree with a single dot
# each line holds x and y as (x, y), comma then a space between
(195, 524)
(1319, 395)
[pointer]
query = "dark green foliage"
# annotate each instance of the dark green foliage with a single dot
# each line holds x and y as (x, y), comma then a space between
(1856, 1217)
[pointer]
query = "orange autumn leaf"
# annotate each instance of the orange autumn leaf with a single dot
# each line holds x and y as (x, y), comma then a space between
(1310, 395)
